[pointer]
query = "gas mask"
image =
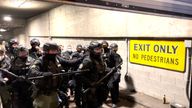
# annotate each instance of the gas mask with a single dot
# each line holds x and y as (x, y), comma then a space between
(51, 57)
(13, 48)
(97, 53)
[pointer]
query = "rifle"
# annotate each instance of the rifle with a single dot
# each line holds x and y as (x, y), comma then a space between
(104, 77)
(8, 72)
(40, 77)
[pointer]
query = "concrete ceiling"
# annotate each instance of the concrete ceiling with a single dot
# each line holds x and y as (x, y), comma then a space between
(25, 8)
(169, 7)
(175, 6)
(20, 10)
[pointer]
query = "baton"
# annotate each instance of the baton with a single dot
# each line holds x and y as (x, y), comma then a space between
(99, 81)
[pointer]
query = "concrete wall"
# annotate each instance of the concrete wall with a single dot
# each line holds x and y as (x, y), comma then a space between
(73, 21)
(20, 35)
(70, 21)
(157, 82)
(7, 35)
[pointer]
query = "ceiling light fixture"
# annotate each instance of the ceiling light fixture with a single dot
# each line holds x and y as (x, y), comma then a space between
(1, 35)
(3, 30)
(7, 18)
(23, 3)
(17, 3)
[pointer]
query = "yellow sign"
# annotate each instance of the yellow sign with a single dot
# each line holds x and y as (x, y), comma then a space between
(162, 54)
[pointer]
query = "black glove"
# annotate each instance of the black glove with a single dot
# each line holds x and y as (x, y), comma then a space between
(47, 74)
(21, 78)
(108, 69)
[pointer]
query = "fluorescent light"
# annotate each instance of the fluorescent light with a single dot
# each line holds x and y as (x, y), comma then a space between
(17, 3)
(22, 3)
(26, 4)
(1, 35)
(3, 30)
(7, 18)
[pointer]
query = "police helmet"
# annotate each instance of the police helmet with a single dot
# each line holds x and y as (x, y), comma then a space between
(22, 51)
(86, 47)
(93, 45)
(50, 46)
(114, 46)
(35, 42)
(79, 48)
(95, 48)
(13, 41)
(105, 44)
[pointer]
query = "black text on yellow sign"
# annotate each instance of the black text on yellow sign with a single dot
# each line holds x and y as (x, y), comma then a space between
(163, 54)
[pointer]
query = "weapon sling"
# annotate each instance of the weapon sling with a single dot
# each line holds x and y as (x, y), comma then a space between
(104, 77)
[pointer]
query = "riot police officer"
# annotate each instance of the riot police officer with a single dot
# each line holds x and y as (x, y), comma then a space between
(67, 53)
(77, 54)
(105, 46)
(95, 96)
(113, 84)
(21, 95)
(72, 83)
(79, 48)
(35, 51)
(85, 50)
(4, 93)
(106, 51)
(11, 46)
(50, 63)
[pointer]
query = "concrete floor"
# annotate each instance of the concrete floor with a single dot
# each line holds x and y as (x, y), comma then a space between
(136, 100)
(122, 104)
(133, 100)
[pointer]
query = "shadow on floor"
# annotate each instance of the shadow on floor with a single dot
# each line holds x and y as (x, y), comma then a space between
(129, 84)
(125, 98)
(123, 103)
